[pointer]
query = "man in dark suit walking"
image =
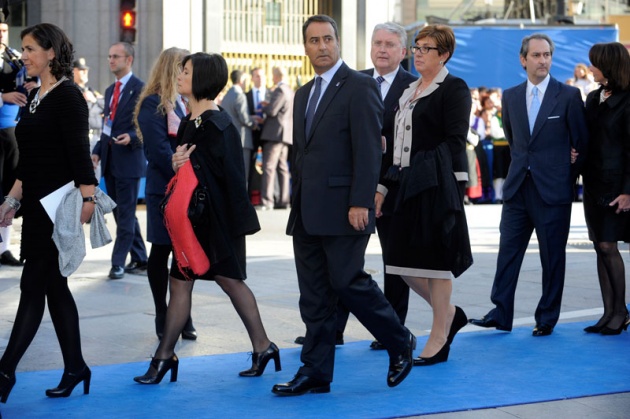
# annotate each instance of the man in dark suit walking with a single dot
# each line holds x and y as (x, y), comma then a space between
(544, 124)
(122, 161)
(336, 125)
(389, 48)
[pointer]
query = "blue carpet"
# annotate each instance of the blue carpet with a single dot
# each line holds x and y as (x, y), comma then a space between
(485, 369)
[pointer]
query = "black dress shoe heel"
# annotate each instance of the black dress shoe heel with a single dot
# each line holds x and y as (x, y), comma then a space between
(158, 369)
(441, 356)
(189, 332)
(6, 385)
(459, 320)
(260, 360)
(69, 381)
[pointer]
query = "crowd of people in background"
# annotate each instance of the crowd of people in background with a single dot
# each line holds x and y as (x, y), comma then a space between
(487, 149)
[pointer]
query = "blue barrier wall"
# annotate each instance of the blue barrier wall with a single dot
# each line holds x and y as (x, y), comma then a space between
(489, 55)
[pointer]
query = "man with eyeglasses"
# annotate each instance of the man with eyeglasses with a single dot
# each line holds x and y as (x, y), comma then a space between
(122, 161)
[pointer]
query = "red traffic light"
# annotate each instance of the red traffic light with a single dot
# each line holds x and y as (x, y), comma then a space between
(127, 19)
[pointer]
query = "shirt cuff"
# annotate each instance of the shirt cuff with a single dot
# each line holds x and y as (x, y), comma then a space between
(381, 189)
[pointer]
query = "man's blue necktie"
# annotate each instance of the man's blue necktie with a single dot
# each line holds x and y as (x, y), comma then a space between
(533, 109)
(312, 105)
(380, 80)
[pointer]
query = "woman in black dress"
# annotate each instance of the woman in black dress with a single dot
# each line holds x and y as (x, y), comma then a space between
(428, 243)
(54, 149)
(211, 144)
(607, 178)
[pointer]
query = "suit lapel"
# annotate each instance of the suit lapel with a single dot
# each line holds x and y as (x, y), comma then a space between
(519, 107)
(127, 92)
(335, 84)
(299, 111)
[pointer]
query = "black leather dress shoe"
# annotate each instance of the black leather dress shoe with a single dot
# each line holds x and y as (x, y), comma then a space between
(116, 272)
(7, 258)
(400, 366)
(301, 384)
(485, 322)
(338, 339)
(377, 346)
(542, 330)
(137, 268)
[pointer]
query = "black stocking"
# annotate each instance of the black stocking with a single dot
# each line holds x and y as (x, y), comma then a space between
(27, 320)
(41, 278)
(176, 316)
(611, 272)
(157, 271)
(65, 318)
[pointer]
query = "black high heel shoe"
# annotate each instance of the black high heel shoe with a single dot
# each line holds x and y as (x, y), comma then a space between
(6, 385)
(597, 327)
(441, 356)
(69, 381)
(160, 368)
(459, 320)
(260, 360)
(610, 331)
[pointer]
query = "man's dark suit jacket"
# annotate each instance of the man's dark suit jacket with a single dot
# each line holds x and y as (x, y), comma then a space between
(126, 161)
(250, 106)
(560, 124)
(338, 165)
(402, 80)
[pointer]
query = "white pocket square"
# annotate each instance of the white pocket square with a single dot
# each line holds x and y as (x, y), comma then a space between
(554, 117)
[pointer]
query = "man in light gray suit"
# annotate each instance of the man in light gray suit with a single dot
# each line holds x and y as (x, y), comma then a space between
(235, 103)
(276, 136)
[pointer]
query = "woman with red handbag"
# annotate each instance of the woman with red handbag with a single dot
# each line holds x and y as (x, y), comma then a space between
(208, 215)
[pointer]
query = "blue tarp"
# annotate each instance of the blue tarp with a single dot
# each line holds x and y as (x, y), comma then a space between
(489, 55)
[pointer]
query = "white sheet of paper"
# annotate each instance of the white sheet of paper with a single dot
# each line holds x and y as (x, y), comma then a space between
(51, 201)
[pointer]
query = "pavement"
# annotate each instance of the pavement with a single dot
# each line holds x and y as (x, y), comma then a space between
(117, 316)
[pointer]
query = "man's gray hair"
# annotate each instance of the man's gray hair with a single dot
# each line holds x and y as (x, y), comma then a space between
(394, 28)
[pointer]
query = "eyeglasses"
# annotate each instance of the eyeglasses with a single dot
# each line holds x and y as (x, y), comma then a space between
(424, 50)
(115, 57)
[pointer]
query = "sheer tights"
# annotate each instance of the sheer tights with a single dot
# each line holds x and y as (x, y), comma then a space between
(178, 312)
(612, 281)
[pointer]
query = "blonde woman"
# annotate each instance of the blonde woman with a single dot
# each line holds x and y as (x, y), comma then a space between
(158, 113)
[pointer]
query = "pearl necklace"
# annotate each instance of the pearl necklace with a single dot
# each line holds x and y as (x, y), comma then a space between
(37, 99)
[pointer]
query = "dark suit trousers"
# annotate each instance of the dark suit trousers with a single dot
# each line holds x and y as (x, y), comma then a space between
(395, 288)
(330, 268)
(522, 214)
(275, 157)
(124, 192)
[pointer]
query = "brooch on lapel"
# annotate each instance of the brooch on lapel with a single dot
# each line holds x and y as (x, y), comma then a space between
(198, 121)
